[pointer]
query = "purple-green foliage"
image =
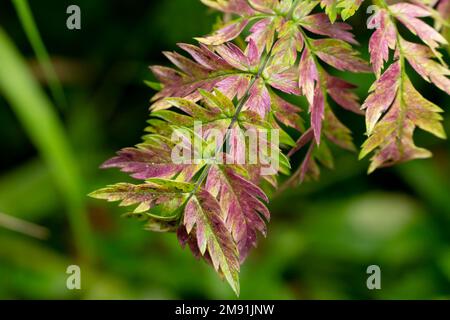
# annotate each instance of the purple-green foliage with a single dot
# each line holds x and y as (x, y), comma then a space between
(232, 86)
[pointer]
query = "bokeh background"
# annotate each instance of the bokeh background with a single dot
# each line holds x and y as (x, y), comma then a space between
(322, 237)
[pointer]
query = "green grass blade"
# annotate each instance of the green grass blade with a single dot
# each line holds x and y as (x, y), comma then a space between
(32, 32)
(23, 226)
(44, 128)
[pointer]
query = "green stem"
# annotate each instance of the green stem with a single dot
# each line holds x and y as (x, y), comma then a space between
(32, 32)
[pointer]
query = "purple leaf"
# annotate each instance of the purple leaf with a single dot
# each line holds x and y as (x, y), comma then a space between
(234, 86)
(317, 113)
(408, 14)
(239, 7)
(341, 93)
(302, 141)
(204, 217)
(252, 54)
(392, 137)
(205, 57)
(420, 58)
(444, 8)
(308, 75)
(383, 93)
(340, 55)
(152, 159)
(308, 168)
(410, 10)
(240, 200)
(285, 81)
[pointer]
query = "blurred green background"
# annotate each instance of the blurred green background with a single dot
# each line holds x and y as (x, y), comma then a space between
(322, 237)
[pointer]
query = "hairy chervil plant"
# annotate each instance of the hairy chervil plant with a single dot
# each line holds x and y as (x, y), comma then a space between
(222, 130)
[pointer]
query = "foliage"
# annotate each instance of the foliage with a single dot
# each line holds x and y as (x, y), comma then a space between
(393, 96)
(291, 48)
(35, 111)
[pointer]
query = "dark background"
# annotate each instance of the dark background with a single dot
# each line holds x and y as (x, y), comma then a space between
(322, 237)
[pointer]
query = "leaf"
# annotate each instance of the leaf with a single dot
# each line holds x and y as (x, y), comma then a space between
(240, 7)
(408, 13)
(229, 32)
(234, 56)
(383, 94)
(392, 137)
(334, 131)
(204, 217)
(186, 65)
(304, 139)
(215, 114)
(259, 99)
(346, 8)
(209, 70)
(290, 40)
(155, 225)
(152, 159)
(330, 8)
(166, 201)
(307, 170)
(317, 110)
(337, 132)
(308, 75)
(319, 23)
(46, 131)
(285, 112)
(443, 8)
(349, 7)
(31, 30)
(304, 8)
(341, 93)
(159, 198)
(285, 81)
(265, 6)
(241, 201)
(420, 58)
(203, 56)
(263, 33)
